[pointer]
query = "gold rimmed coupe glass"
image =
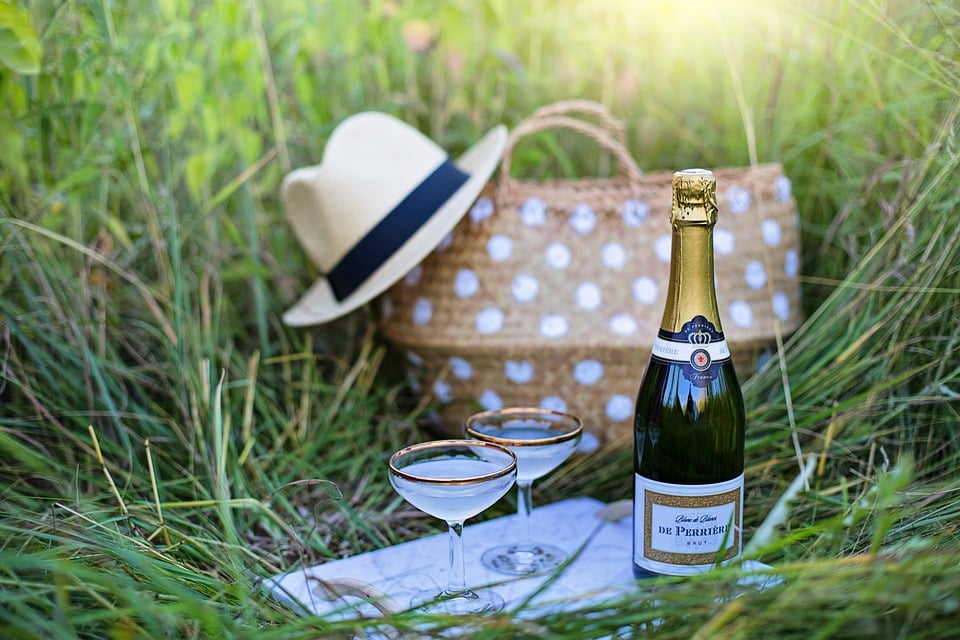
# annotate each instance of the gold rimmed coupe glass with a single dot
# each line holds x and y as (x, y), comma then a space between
(454, 480)
(542, 440)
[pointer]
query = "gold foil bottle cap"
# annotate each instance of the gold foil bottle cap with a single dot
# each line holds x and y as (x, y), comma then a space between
(694, 197)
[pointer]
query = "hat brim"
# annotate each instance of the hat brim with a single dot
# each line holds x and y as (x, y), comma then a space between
(319, 304)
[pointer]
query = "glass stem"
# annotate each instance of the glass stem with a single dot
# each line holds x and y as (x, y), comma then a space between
(456, 582)
(524, 509)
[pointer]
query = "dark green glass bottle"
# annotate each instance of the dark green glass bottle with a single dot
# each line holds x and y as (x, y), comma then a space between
(689, 417)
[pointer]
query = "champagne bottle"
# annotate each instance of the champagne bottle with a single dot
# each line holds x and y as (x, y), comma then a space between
(689, 418)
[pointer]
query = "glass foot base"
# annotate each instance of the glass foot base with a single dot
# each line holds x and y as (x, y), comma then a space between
(516, 560)
(458, 604)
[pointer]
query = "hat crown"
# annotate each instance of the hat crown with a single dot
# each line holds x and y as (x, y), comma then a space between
(371, 162)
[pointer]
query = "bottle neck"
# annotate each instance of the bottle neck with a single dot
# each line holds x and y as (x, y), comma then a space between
(692, 290)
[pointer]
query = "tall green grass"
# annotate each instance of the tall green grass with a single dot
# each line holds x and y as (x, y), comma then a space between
(165, 442)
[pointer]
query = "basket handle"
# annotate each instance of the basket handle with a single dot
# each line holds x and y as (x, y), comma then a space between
(605, 119)
(614, 144)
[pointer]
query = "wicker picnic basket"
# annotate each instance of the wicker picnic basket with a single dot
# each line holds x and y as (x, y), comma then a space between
(550, 293)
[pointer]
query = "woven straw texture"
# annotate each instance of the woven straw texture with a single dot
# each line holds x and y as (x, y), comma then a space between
(551, 293)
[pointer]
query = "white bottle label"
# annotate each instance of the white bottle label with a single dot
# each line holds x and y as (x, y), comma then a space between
(685, 352)
(686, 529)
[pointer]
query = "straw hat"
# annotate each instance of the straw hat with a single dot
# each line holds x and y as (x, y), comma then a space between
(383, 197)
